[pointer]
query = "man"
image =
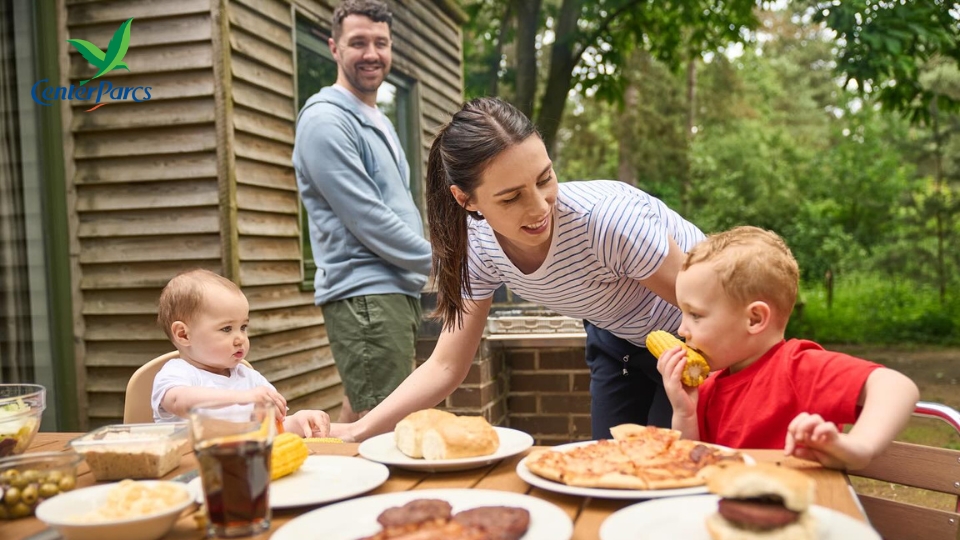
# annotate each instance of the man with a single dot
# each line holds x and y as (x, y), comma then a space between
(366, 233)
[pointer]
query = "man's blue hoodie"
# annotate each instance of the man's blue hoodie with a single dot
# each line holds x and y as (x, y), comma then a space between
(365, 230)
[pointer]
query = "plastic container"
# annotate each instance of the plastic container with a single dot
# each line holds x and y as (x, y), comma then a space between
(21, 406)
(28, 480)
(132, 450)
(534, 325)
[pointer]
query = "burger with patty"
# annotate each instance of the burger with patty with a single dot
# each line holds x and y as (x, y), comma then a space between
(762, 502)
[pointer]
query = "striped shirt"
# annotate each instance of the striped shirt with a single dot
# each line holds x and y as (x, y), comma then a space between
(608, 236)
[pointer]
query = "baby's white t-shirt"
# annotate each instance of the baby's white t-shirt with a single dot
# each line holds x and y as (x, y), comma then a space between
(178, 372)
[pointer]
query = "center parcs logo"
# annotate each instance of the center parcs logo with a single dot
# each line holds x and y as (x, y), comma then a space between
(99, 94)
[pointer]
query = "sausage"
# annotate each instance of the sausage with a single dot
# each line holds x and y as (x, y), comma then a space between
(756, 513)
(498, 522)
(417, 511)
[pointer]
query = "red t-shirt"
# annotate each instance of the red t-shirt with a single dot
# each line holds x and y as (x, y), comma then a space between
(753, 407)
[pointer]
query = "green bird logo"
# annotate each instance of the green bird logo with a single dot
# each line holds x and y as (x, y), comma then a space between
(113, 58)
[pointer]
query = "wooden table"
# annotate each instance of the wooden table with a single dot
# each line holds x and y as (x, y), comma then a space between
(833, 489)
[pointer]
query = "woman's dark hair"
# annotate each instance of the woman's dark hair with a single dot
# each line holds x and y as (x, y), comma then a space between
(478, 132)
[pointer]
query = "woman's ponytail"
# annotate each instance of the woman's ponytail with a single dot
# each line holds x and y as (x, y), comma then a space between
(448, 239)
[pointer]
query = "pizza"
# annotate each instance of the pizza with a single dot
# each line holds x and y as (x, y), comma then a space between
(638, 457)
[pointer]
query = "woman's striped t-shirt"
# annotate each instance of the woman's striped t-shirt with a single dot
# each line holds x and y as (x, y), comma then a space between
(607, 237)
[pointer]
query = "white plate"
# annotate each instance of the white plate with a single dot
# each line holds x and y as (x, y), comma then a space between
(383, 449)
(604, 493)
(321, 479)
(684, 517)
(357, 518)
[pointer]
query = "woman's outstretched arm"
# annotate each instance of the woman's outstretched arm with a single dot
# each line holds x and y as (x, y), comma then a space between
(429, 384)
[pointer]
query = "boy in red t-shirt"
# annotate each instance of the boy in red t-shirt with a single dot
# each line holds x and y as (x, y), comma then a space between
(736, 290)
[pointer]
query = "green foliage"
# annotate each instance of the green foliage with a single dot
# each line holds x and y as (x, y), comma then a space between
(670, 31)
(885, 47)
(484, 35)
(859, 192)
(588, 145)
(596, 134)
(872, 308)
(735, 187)
(868, 178)
(588, 54)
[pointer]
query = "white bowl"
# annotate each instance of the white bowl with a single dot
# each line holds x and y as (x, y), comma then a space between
(60, 513)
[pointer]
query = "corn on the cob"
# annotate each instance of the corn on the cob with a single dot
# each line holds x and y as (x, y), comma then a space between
(289, 453)
(696, 370)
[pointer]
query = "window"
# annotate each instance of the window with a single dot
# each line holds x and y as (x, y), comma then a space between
(32, 309)
(396, 98)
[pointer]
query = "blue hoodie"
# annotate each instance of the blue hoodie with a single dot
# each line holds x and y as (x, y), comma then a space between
(365, 230)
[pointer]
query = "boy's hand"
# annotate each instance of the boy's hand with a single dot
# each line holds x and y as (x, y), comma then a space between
(810, 437)
(683, 398)
(308, 423)
(265, 393)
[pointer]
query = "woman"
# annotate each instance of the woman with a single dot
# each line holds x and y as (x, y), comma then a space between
(601, 251)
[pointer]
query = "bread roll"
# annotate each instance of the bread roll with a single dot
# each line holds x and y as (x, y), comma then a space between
(460, 437)
(409, 431)
(764, 479)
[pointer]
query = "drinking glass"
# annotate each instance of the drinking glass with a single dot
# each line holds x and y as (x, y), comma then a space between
(232, 444)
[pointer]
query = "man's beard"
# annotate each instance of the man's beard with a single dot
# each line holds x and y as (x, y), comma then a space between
(364, 84)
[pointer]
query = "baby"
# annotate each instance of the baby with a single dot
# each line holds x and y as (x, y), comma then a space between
(205, 316)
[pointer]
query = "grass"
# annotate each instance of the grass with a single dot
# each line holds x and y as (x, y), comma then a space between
(872, 308)
(936, 371)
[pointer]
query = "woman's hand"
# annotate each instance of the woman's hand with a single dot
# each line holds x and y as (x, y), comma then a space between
(343, 432)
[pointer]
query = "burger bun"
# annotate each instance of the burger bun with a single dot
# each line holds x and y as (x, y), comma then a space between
(742, 481)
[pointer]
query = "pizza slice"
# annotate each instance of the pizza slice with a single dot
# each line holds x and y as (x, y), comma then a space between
(629, 432)
(584, 465)
(638, 457)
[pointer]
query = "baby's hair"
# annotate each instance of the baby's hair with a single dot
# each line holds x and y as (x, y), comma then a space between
(182, 298)
(752, 264)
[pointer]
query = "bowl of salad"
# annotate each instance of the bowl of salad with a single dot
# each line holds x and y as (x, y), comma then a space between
(20, 408)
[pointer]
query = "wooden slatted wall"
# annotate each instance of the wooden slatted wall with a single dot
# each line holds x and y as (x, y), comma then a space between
(145, 179)
(290, 346)
(200, 176)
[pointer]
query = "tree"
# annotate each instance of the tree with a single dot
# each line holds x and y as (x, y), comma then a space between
(884, 47)
(589, 40)
(488, 29)
(888, 49)
(641, 141)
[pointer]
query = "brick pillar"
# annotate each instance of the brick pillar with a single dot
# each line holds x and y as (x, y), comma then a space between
(483, 392)
(549, 394)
